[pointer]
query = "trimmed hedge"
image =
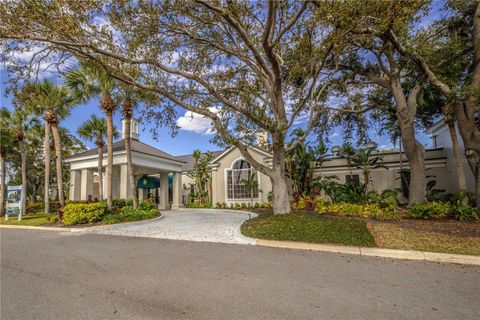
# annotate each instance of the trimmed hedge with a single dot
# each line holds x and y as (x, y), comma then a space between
(83, 213)
(39, 206)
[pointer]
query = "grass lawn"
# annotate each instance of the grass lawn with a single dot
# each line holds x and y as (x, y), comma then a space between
(28, 220)
(437, 236)
(307, 227)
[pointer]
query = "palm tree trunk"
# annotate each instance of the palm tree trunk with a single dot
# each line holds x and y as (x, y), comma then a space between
(58, 165)
(109, 158)
(100, 172)
(46, 193)
(131, 178)
(24, 176)
(2, 183)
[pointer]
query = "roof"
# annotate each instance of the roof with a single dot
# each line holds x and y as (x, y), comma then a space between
(190, 161)
(136, 146)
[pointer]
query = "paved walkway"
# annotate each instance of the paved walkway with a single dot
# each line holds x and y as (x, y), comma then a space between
(187, 224)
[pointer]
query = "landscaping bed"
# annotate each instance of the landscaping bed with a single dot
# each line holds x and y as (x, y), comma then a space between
(446, 235)
(308, 227)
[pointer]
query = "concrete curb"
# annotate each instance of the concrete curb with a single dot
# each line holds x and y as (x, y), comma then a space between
(374, 252)
(57, 229)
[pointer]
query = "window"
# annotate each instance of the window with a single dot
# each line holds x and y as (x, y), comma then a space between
(236, 188)
(352, 178)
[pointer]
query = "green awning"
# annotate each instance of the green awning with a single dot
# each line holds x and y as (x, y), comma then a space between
(147, 182)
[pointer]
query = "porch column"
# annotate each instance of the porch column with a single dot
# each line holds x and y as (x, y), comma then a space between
(177, 191)
(140, 192)
(214, 173)
(125, 192)
(116, 180)
(75, 184)
(87, 184)
(163, 191)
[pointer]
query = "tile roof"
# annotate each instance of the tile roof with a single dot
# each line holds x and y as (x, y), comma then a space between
(136, 146)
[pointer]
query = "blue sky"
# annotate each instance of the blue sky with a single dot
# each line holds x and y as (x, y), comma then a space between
(195, 132)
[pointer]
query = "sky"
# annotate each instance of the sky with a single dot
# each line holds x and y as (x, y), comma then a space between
(194, 131)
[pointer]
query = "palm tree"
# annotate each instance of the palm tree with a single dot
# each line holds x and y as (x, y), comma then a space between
(251, 185)
(5, 147)
(21, 124)
(132, 96)
(91, 80)
(53, 102)
(95, 129)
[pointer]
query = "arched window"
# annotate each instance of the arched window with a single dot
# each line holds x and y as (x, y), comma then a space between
(237, 178)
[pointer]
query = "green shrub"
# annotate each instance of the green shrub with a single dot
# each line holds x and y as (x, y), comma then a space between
(237, 206)
(434, 209)
(83, 213)
(304, 203)
(121, 203)
(221, 205)
(367, 211)
(464, 213)
(147, 204)
(128, 214)
(199, 205)
(39, 206)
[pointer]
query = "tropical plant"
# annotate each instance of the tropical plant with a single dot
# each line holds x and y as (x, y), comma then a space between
(53, 102)
(22, 125)
(6, 144)
(201, 176)
(301, 161)
(251, 185)
(365, 160)
(95, 129)
(91, 80)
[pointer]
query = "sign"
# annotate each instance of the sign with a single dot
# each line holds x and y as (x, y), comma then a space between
(14, 196)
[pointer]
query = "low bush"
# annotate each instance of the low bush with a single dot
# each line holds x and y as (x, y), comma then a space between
(121, 203)
(128, 214)
(367, 211)
(39, 206)
(199, 205)
(304, 203)
(83, 213)
(439, 210)
(147, 204)
(464, 212)
(221, 205)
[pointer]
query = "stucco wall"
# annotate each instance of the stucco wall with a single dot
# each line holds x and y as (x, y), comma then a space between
(443, 140)
(219, 177)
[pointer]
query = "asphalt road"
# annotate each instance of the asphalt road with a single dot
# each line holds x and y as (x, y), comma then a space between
(51, 275)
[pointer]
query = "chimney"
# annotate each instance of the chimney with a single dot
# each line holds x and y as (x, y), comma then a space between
(134, 129)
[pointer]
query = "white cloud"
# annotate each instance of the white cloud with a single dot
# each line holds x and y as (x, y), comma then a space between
(333, 135)
(195, 122)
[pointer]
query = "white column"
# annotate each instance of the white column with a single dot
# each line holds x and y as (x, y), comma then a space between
(214, 174)
(75, 184)
(125, 192)
(116, 181)
(163, 191)
(87, 184)
(177, 191)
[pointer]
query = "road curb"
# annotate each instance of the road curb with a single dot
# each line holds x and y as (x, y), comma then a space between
(56, 229)
(374, 252)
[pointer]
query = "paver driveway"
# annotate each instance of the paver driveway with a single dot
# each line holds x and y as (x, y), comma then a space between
(186, 224)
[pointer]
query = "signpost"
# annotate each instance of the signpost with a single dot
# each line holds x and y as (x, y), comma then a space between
(14, 200)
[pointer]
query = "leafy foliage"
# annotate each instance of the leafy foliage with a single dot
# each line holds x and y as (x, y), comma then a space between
(128, 214)
(83, 213)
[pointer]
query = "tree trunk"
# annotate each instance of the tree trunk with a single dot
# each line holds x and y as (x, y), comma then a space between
(280, 197)
(457, 155)
(46, 193)
(414, 151)
(131, 178)
(100, 172)
(2, 184)
(24, 176)
(109, 158)
(59, 168)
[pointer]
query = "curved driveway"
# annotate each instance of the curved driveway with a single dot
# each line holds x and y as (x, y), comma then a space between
(209, 225)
